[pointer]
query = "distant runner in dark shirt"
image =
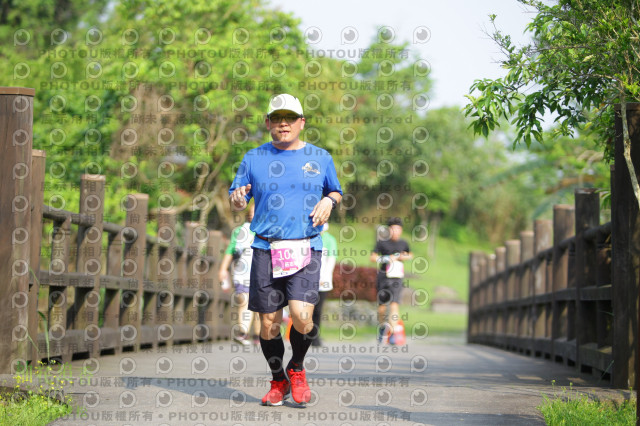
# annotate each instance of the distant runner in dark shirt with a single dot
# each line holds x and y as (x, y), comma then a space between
(389, 253)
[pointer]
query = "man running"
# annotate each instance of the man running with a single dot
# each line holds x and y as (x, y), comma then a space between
(295, 188)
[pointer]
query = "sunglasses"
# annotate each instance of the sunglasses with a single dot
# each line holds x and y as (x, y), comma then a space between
(289, 118)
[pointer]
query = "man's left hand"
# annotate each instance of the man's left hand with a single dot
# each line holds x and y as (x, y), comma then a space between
(321, 212)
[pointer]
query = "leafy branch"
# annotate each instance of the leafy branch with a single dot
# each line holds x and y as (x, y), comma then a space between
(582, 61)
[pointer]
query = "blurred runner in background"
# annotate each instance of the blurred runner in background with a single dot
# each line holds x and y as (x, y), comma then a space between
(389, 252)
(238, 255)
(329, 257)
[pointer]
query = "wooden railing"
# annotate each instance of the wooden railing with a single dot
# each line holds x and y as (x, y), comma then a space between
(549, 293)
(568, 290)
(153, 291)
(99, 288)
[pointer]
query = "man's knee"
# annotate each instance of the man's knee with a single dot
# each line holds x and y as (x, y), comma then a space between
(303, 321)
(270, 324)
(270, 329)
(303, 327)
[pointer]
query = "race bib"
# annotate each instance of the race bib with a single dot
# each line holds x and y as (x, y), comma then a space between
(395, 269)
(289, 256)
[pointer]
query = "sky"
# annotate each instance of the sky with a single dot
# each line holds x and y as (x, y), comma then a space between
(450, 35)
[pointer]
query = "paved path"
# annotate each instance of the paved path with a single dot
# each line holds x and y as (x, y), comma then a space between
(438, 382)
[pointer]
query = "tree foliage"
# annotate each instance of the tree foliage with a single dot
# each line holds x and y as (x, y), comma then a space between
(168, 95)
(165, 98)
(584, 59)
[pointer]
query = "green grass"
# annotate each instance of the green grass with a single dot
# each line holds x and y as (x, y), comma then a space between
(449, 268)
(574, 408)
(438, 324)
(24, 404)
(32, 409)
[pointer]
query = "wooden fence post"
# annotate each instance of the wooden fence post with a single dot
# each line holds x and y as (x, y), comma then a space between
(150, 296)
(491, 271)
(87, 299)
(474, 280)
(500, 314)
(201, 267)
(587, 216)
(482, 263)
(512, 259)
(166, 274)
(212, 315)
(543, 237)
(474, 268)
(133, 269)
(625, 236)
(478, 299)
(563, 228)
(38, 164)
(58, 295)
(490, 318)
(543, 240)
(526, 253)
(525, 330)
(192, 283)
(112, 297)
(179, 301)
(16, 125)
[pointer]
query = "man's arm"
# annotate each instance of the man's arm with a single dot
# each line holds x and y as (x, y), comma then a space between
(322, 210)
(330, 200)
(405, 255)
(336, 196)
(375, 254)
(223, 272)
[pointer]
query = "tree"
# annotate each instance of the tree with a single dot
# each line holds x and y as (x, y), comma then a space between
(168, 96)
(378, 100)
(470, 193)
(584, 59)
(28, 23)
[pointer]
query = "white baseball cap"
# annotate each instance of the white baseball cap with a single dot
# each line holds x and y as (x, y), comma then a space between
(285, 102)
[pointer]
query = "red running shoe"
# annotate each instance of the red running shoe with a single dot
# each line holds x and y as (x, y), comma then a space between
(278, 392)
(300, 391)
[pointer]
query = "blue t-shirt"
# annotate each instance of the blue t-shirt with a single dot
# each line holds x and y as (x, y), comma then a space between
(286, 185)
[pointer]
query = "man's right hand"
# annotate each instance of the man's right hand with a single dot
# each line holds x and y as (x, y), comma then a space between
(237, 200)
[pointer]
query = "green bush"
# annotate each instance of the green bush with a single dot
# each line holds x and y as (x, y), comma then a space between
(31, 410)
(575, 408)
